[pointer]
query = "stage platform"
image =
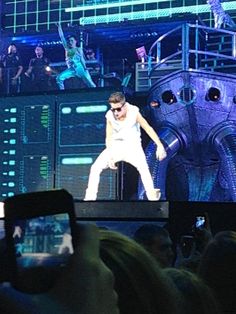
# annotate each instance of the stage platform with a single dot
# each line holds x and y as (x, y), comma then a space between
(178, 217)
(121, 210)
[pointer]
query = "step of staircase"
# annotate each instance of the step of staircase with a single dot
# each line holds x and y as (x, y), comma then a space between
(222, 69)
(218, 46)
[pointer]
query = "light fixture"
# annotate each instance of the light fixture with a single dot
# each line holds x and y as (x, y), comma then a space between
(107, 5)
(143, 14)
(168, 97)
(213, 94)
(155, 103)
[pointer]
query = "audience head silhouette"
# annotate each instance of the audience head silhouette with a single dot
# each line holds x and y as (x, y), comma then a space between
(156, 240)
(217, 268)
(139, 281)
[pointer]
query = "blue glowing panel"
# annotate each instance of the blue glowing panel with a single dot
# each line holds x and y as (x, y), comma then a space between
(50, 141)
(27, 144)
(73, 171)
(36, 126)
(82, 123)
(37, 15)
(80, 137)
(35, 173)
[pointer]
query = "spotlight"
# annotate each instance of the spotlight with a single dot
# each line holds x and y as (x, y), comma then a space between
(48, 68)
(155, 103)
(168, 97)
(213, 94)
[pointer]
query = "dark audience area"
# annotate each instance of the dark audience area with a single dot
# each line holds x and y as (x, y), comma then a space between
(134, 266)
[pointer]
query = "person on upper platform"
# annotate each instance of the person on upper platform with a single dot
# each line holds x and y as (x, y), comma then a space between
(75, 60)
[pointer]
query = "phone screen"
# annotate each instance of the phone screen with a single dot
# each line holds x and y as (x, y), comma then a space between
(42, 241)
(200, 222)
(40, 236)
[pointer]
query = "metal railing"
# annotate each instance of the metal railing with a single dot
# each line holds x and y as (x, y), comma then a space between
(193, 42)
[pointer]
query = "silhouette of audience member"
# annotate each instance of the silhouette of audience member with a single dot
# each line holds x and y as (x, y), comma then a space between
(218, 269)
(190, 247)
(85, 286)
(141, 286)
(11, 70)
(156, 240)
(38, 71)
(196, 296)
(187, 255)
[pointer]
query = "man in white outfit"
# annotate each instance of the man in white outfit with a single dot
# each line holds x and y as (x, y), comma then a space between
(123, 143)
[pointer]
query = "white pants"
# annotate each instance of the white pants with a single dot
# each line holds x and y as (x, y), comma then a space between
(131, 154)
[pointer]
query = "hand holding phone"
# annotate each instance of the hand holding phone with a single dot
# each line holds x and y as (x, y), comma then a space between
(186, 245)
(72, 292)
(40, 233)
(202, 231)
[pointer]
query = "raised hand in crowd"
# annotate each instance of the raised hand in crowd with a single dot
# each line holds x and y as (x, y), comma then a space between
(85, 286)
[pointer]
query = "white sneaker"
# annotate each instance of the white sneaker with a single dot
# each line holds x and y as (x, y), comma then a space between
(90, 196)
(88, 199)
(155, 195)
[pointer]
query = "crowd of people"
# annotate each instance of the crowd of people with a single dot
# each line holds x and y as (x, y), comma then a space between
(110, 273)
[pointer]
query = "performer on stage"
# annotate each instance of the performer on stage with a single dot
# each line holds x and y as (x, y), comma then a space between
(220, 16)
(123, 143)
(75, 61)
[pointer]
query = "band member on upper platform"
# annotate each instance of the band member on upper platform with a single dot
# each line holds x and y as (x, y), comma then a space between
(75, 61)
(37, 71)
(93, 65)
(11, 70)
(123, 143)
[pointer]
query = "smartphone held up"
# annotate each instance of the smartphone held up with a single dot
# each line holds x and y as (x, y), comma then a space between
(40, 233)
(200, 222)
